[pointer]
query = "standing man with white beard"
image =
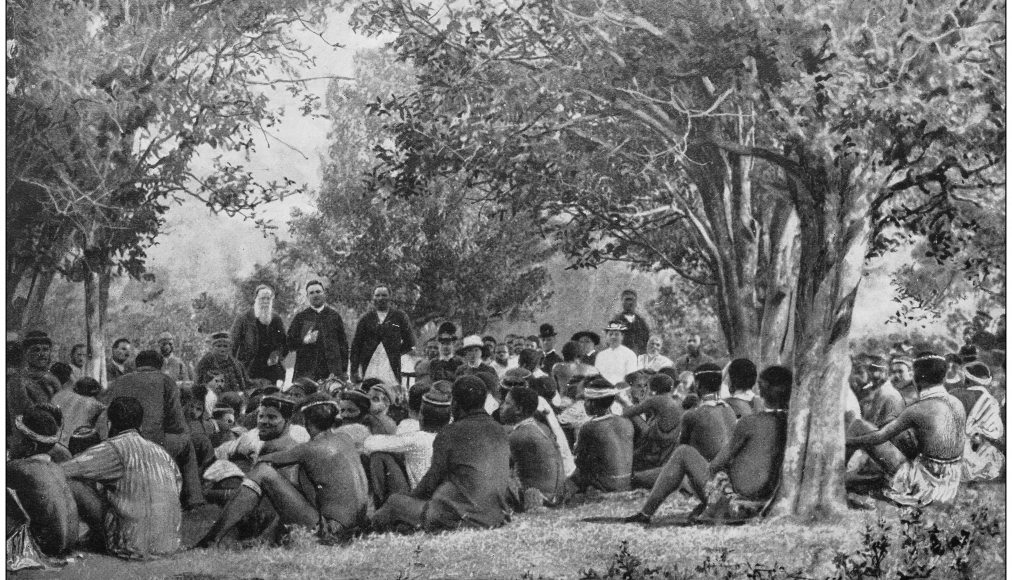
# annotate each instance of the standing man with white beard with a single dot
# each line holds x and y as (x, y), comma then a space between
(258, 338)
(317, 336)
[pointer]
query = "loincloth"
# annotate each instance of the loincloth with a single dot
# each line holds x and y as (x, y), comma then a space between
(723, 503)
(926, 480)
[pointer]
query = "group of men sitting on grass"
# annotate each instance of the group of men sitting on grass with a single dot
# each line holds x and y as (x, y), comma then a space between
(472, 450)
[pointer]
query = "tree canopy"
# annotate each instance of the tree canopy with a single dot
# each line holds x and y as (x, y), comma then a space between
(766, 148)
(108, 106)
(447, 255)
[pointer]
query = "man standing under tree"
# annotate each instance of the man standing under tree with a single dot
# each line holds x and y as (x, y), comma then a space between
(318, 338)
(258, 338)
(381, 337)
(637, 332)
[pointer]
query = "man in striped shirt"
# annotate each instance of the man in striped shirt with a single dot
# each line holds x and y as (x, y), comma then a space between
(138, 511)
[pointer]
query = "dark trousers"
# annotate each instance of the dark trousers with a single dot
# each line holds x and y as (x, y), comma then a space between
(387, 476)
(181, 449)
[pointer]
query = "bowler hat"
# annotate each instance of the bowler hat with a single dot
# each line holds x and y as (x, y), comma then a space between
(546, 331)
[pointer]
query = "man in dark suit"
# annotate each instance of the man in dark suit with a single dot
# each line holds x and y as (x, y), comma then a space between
(385, 331)
(163, 422)
(467, 484)
(636, 330)
(317, 336)
(547, 335)
(258, 338)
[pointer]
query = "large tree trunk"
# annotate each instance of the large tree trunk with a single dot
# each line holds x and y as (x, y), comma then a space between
(753, 251)
(32, 316)
(835, 229)
(94, 322)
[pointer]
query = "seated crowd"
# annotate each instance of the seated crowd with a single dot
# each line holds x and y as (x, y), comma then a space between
(469, 437)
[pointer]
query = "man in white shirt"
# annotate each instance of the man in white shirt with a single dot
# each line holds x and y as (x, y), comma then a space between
(398, 462)
(616, 361)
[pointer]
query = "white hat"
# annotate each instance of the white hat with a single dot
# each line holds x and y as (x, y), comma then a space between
(472, 341)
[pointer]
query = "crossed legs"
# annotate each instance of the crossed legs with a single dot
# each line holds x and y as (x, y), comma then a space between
(290, 504)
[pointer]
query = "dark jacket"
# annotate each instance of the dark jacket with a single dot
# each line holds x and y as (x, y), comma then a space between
(329, 354)
(394, 333)
(636, 334)
(551, 359)
(468, 481)
(158, 395)
(246, 339)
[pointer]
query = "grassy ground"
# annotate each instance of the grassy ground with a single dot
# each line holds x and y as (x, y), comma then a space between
(552, 544)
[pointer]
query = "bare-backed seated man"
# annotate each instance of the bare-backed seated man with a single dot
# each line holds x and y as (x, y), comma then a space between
(468, 482)
(706, 427)
(604, 447)
(938, 422)
(746, 470)
(332, 495)
(534, 451)
(40, 484)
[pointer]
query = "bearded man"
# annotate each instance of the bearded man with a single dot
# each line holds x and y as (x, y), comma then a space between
(258, 338)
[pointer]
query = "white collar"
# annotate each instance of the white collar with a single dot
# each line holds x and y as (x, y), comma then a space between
(320, 309)
(747, 395)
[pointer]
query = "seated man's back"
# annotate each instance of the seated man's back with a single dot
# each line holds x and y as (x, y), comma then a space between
(708, 427)
(45, 495)
(939, 424)
(536, 458)
(159, 396)
(468, 479)
(755, 454)
(604, 453)
(330, 468)
(143, 484)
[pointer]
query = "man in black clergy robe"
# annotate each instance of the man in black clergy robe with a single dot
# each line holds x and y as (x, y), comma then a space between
(317, 336)
(384, 330)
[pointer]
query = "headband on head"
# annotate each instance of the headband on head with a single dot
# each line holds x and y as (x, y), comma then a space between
(337, 408)
(928, 357)
(44, 439)
(903, 360)
(710, 372)
(976, 381)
